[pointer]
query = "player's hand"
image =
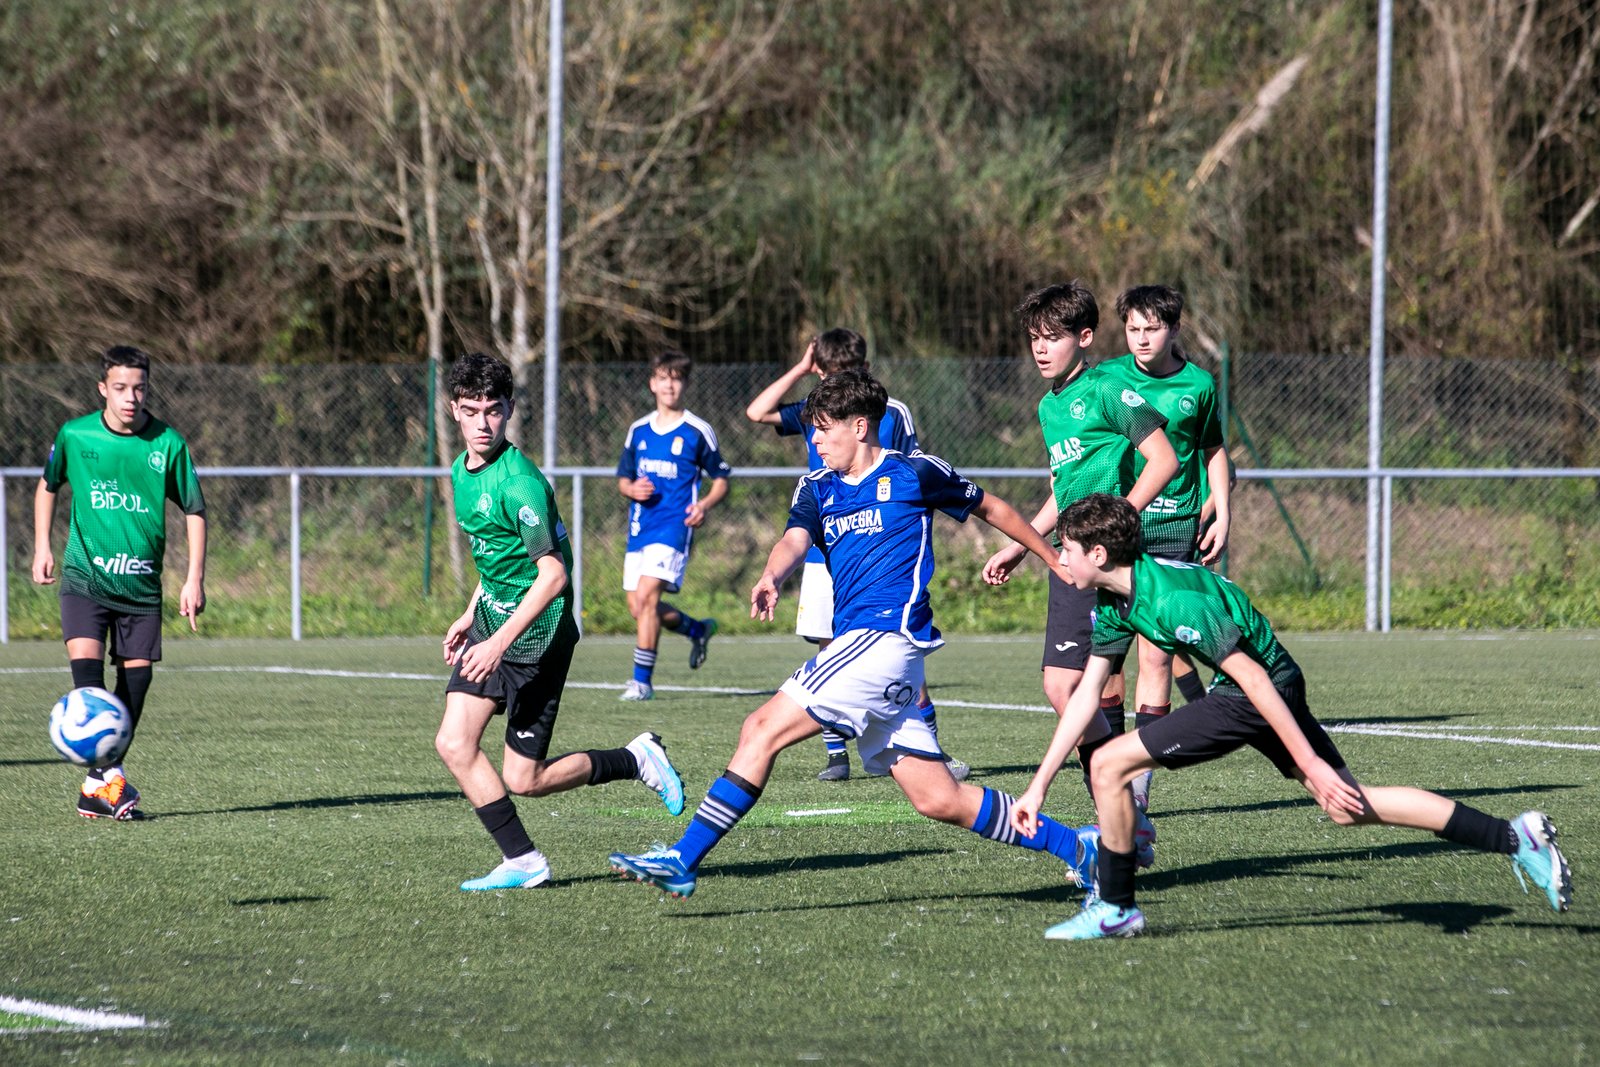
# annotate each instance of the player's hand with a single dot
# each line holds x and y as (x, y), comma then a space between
(191, 602)
(482, 659)
(640, 489)
(455, 639)
(694, 515)
(1215, 542)
(1059, 569)
(764, 598)
(997, 570)
(1332, 792)
(44, 567)
(1025, 812)
(808, 361)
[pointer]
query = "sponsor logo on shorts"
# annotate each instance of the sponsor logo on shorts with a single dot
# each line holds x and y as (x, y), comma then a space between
(1063, 646)
(122, 563)
(899, 693)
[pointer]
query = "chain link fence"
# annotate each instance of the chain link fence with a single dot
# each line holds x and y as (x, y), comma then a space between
(379, 554)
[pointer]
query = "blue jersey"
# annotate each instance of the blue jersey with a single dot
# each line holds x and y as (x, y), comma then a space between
(895, 431)
(876, 534)
(672, 458)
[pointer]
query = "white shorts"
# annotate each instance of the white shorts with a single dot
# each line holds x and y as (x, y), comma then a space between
(865, 686)
(654, 561)
(814, 619)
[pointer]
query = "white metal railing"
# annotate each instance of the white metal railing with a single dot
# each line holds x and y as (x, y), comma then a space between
(1380, 481)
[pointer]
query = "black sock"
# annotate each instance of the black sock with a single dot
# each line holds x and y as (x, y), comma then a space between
(500, 819)
(132, 685)
(1190, 686)
(1116, 715)
(611, 765)
(87, 672)
(1116, 877)
(1474, 829)
(1149, 713)
(1086, 751)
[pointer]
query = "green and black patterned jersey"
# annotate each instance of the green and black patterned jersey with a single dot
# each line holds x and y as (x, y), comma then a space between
(1092, 425)
(1188, 399)
(508, 509)
(1183, 607)
(121, 482)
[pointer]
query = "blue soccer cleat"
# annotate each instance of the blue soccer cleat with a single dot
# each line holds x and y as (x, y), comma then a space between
(697, 645)
(1538, 855)
(1098, 919)
(525, 872)
(661, 867)
(1084, 870)
(656, 771)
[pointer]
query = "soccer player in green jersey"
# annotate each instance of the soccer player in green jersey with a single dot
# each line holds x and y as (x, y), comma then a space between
(1156, 368)
(511, 648)
(1258, 699)
(123, 465)
(1093, 430)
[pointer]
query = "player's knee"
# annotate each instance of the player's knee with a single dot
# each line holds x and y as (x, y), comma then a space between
(527, 780)
(452, 748)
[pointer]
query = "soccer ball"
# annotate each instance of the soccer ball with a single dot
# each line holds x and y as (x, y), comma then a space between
(90, 727)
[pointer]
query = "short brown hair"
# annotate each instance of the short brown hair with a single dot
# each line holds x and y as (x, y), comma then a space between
(1059, 310)
(1105, 520)
(672, 361)
(839, 349)
(124, 356)
(846, 395)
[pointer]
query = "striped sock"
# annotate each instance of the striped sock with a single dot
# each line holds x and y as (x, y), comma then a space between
(644, 665)
(833, 742)
(727, 801)
(994, 822)
(930, 715)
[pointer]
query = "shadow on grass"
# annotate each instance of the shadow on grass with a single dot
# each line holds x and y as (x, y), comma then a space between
(31, 762)
(256, 902)
(1449, 916)
(320, 802)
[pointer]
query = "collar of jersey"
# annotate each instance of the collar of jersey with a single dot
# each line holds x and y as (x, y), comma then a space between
(864, 475)
(682, 415)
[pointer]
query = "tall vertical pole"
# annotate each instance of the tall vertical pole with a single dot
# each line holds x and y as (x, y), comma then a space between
(1380, 255)
(5, 570)
(552, 234)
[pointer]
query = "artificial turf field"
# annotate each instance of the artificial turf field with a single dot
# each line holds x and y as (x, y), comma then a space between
(293, 897)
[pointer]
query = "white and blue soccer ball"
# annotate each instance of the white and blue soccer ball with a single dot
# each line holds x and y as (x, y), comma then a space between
(90, 727)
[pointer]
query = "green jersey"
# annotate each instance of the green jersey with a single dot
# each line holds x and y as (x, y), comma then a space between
(1182, 607)
(117, 539)
(1188, 399)
(1091, 426)
(508, 509)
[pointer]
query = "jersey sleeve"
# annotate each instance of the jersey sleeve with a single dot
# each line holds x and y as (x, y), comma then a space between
(1127, 412)
(1201, 623)
(628, 462)
(1112, 634)
(528, 505)
(55, 464)
(804, 511)
(897, 430)
(183, 484)
(942, 488)
(1210, 423)
(710, 458)
(789, 422)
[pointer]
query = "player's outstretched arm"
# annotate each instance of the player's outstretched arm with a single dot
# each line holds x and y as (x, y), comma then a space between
(764, 408)
(1331, 791)
(997, 569)
(1160, 467)
(1081, 708)
(786, 555)
(695, 513)
(1218, 506)
(44, 513)
(192, 597)
(1003, 517)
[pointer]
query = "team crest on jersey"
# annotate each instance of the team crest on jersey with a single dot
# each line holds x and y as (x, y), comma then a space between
(158, 461)
(1187, 634)
(677, 446)
(1186, 405)
(527, 516)
(883, 488)
(1078, 409)
(1132, 399)
(485, 502)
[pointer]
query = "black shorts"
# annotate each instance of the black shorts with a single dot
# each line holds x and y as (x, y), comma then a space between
(132, 636)
(528, 694)
(1224, 721)
(1068, 625)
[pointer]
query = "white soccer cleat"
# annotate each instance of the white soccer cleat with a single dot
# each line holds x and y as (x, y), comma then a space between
(657, 772)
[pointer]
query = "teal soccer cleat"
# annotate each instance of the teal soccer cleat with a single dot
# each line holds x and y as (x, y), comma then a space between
(660, 867)
(1540, 858)
(657, 772)
(524, 872)
(1098, 919)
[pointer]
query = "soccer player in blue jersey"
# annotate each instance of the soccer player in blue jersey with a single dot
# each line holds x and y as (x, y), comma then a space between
(828, 353)
(871, 509)
(1258, 698)
(660, 469)
(511, 648)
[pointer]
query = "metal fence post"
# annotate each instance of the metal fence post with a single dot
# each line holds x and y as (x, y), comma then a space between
(294, 555)
(5, 570)
(575, 539)
(1387, 580)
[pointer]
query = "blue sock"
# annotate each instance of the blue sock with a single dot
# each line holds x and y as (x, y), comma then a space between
(644, 665)
(930, 715)
(693, 629)
(833, 742)
(726, 802)
(994, 822)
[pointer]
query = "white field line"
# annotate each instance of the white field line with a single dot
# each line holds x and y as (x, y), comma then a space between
(806, 813)
(82, 1018)
(1418, 732)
